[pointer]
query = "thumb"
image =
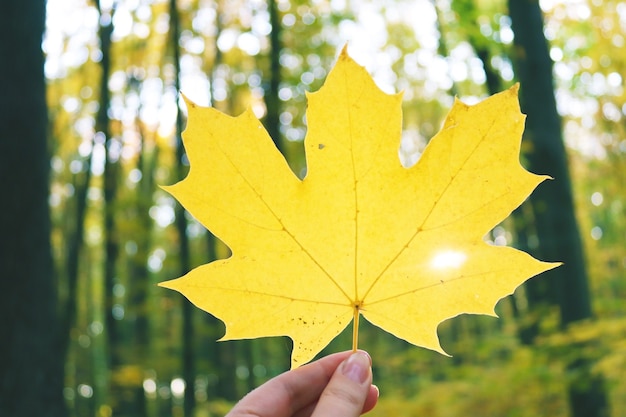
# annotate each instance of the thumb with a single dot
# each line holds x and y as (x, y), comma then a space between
(345, 394)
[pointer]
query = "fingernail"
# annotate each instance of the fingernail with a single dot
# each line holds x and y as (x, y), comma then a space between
(357, 367)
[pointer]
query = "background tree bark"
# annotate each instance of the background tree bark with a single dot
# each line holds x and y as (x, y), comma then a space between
(273, 78)
(184, 254)
(31, 357)
(552, 202)
(557, 229)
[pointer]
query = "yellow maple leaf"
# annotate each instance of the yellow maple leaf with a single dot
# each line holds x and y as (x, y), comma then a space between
(360, 234)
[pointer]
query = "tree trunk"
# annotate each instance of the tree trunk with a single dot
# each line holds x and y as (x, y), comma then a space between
(75, 244)
(122, 396)
(139, 285)
(184, 255)
(272, 81)
(110, 176)
(31, 357)
(139, 278)
(559, 239)
(468, 19)
(552, 202)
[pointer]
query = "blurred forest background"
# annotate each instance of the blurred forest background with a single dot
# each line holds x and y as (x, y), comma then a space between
(87, 233)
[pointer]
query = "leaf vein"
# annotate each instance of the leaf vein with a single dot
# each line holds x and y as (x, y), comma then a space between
(419, 229)
(284, 228)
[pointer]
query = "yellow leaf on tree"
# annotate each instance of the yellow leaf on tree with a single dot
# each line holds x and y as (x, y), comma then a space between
(360, 234)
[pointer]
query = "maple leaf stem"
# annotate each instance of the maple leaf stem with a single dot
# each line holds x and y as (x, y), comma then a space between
(355, 328)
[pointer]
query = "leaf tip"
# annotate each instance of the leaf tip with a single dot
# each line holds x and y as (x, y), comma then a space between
(169, 284)
(188, 102)
(552, 265)
(344, 51)
(441, 351)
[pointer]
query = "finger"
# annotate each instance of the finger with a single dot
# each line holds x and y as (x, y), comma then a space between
(371, 400)
(348, 388)
(370, 403)
(291, 391)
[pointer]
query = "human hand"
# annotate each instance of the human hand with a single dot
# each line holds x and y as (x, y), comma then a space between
(339, 385)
